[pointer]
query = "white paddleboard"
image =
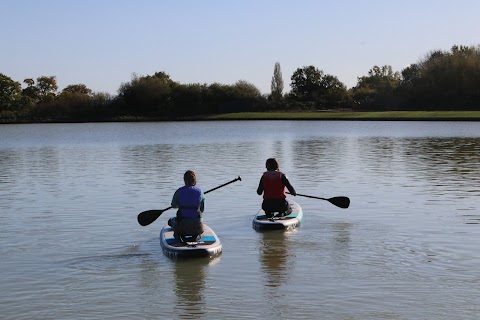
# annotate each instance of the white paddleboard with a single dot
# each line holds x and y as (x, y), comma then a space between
(291, 221)
(208, 246)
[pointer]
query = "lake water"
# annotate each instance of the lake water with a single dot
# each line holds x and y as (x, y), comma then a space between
(407, 248)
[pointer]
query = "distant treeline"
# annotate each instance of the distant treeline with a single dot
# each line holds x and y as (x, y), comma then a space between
(443, 80)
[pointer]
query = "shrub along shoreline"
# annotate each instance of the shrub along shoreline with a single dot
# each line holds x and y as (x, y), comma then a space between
(354, 115)
(319, 115)
(444, 81)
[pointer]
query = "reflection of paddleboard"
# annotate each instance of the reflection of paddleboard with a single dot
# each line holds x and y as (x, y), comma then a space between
(292, 221)
(208, 246)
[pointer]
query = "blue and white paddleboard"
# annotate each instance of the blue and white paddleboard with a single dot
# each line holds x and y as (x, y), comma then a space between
(291, 221)
(208, 246)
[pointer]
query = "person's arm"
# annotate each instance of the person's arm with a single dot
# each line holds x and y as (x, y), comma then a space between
(289, 186)
(260, 187)
(175, 203)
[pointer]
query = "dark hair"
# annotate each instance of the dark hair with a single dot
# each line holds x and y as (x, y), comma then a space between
(271, 164)
(190, 178)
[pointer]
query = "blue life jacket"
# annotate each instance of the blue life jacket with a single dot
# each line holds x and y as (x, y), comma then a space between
(189, 199)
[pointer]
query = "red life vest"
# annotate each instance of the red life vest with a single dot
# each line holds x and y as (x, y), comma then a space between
(273, 187)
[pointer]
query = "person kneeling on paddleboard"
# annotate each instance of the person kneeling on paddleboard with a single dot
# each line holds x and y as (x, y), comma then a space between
(272, 185)
(190, 202)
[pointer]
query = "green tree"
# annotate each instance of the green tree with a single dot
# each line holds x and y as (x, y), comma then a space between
(75, 100)
(247, 96)
(377, 89)
(305, 82)
(246, 90)
(315, 89)
(189, 99)
(77, 88)
(47, 87)
(239, 97)
(31, 91)
(444, 80)
(277, 83)
(335, 93)
(10, 91)
(147, 95)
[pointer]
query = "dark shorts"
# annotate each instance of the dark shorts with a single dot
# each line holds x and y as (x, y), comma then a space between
(192, 227)
(274, 205)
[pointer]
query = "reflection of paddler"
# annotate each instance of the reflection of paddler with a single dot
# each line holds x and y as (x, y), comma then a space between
(189, 285)
(274, 257)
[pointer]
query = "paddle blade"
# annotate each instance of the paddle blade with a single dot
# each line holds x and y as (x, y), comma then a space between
(147, 217)
(341, 202)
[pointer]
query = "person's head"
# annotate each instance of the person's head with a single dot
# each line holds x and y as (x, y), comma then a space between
(190, 178)
(271, 164)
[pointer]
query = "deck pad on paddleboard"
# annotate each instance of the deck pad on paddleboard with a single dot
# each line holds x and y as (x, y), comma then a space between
(291, 221)
(205, 240)
(208, 246)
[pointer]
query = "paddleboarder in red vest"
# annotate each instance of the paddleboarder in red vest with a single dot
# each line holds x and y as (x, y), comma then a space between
(190, 202)
(272, 185)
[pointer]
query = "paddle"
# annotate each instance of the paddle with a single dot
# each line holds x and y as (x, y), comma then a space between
(341, 202)
(147, 217)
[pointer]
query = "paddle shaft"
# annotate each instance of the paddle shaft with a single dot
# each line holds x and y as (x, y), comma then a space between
(149, 216)
(304, 195)
(223, 185)
(341, 202)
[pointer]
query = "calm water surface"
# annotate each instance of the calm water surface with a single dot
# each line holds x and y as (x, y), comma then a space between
(407, 248)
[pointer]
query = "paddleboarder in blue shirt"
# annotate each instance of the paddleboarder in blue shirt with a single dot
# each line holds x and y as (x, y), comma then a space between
(190, 202)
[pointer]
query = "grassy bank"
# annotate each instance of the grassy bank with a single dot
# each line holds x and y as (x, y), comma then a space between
(320, 115)
(326, 115)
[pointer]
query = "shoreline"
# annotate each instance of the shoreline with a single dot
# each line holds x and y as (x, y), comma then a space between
(356, 116)
(267, 116)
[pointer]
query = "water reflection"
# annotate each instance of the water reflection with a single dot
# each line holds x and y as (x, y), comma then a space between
(341, 242)
(33, 163)
(422, 172)
(435, 159)
(160, 165)
(274, 258)
(189, 278)
(471, 218)
(320, 161)
(183, 277)
(410, 238)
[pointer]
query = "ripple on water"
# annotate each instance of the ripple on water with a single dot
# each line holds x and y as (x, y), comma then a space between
(110, 262)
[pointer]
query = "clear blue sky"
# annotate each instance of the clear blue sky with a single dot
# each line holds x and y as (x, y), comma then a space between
(101, 43)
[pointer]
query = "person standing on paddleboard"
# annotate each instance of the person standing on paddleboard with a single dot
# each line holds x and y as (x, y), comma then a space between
(272, 185)
(190, 202)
